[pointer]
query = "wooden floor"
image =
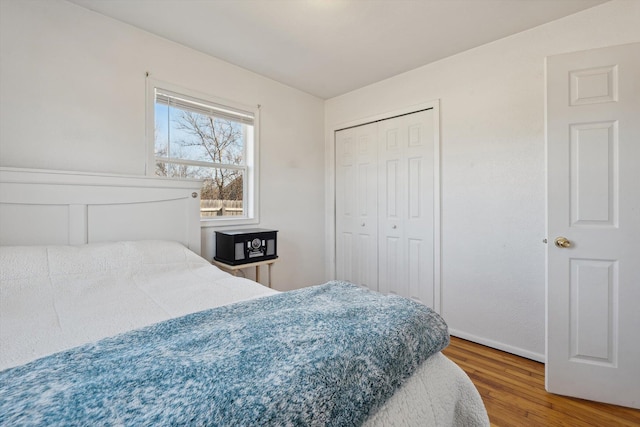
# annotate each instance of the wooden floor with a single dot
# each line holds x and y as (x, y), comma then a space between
(512, 389)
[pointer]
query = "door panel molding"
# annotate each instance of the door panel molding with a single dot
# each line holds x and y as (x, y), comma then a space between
(593, 333)
(594, 174)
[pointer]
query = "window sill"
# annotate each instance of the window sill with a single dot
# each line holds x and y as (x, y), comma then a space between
(227, 222)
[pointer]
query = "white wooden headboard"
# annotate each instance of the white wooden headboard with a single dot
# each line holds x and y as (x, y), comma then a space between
(44, 207)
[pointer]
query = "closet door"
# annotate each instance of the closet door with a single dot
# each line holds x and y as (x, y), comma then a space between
(406, 206)
(357, 205)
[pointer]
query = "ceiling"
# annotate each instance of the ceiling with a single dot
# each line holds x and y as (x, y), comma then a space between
(330, 47)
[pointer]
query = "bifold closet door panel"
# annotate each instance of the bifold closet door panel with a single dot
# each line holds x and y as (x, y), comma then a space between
(357, 205)
(406, 206)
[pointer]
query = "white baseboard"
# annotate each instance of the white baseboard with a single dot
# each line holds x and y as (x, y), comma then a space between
(538, 357)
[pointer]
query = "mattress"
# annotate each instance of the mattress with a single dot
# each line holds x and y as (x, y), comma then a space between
(54, 298)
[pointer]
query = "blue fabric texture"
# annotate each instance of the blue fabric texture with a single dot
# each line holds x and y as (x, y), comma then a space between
(327, 355)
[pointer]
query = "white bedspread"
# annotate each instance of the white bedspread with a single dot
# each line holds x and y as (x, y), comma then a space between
(57, 297)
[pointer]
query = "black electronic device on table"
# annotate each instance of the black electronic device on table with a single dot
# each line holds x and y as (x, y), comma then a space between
(245, 246)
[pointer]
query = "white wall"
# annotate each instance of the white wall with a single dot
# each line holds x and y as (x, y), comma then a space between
(72, 97)
(493, 168)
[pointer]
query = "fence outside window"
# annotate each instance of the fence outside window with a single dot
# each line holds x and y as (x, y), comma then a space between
(212, 208)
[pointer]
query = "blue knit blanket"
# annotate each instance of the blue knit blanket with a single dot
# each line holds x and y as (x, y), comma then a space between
(328, 355)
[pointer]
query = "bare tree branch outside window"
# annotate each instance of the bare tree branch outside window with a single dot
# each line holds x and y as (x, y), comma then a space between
(193, 144)
(219, 141)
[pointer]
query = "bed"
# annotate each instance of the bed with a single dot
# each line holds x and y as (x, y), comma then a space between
(96, 287)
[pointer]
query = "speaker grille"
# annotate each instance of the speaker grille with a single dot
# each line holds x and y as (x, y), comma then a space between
(239, 251)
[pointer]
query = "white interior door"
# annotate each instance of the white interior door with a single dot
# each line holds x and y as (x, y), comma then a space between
(406, 223)
(593, 196)
(357, 205)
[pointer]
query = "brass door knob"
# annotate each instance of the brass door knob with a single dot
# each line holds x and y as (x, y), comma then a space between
(562, 242)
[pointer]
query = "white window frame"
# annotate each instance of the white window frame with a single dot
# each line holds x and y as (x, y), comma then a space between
(251, 181)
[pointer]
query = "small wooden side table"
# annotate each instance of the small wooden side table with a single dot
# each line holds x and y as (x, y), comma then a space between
(233, 269)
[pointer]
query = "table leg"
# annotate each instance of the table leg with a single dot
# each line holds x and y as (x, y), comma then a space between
(258, 273)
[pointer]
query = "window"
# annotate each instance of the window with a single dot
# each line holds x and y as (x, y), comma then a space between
(194, 137)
